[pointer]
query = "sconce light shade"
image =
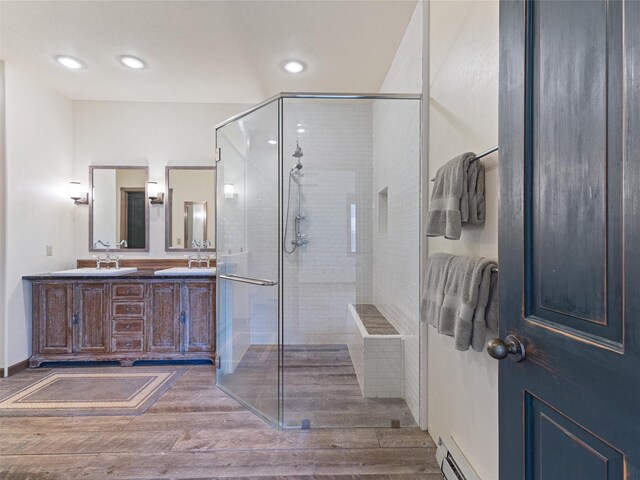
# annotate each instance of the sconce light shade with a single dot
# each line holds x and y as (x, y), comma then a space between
(77, 195)
(229, 190)
(155, 195)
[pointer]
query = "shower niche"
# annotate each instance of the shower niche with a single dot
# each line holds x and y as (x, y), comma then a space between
(299, 249)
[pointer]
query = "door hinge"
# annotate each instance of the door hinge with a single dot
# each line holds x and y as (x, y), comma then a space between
(218, 155)
(219, 362)
(76, 319)
(183, 317)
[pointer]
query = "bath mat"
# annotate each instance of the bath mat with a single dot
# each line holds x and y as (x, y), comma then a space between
(68, 392)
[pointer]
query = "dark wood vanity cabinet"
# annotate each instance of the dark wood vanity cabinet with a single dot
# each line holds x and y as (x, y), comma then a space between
(125, 321)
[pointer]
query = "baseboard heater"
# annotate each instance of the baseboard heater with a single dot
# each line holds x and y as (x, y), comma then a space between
(453, 464)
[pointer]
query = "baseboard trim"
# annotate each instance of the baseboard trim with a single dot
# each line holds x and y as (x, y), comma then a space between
(16, 368)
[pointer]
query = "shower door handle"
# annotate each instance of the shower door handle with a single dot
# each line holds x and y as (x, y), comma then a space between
(252, 281)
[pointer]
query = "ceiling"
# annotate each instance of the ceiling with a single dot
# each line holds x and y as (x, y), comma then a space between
(204, 51)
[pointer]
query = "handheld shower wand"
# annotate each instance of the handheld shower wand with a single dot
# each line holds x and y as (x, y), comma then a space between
(300, 238)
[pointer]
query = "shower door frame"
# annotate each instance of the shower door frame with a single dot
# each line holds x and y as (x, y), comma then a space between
(280, 98)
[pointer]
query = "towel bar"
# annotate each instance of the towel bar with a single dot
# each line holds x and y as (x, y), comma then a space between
(480, 155)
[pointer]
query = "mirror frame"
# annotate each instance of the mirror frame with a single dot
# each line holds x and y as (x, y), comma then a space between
(168, 206)
(146, 209)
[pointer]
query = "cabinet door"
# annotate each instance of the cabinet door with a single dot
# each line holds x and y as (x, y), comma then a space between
(93, 320)
(163, 317)
(53, 318)
(198, 305)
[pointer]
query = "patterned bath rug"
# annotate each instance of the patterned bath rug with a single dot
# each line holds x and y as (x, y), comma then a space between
(104, 391)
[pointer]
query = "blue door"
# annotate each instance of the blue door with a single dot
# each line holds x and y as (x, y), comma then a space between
(569, 240)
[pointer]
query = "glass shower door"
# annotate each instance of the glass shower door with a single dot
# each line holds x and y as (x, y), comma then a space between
(248, 249)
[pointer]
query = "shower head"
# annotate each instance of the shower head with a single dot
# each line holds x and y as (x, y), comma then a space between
(297, 155)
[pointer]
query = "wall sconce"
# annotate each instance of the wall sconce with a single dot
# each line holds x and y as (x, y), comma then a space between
(77, 195)
(229, 190)
(155, 195)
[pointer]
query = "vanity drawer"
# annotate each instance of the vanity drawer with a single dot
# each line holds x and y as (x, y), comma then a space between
(127, 326)
(127, 291)
(126, 344)
(128, 309)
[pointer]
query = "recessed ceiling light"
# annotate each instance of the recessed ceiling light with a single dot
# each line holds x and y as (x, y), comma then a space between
(301, 130)
(272, 142)
(132, 62)
(69, 62)
(293, 66)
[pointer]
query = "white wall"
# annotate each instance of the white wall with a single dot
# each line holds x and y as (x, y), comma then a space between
(146, 134)
(463, 116)
(38, 211)
(3, 215)
(396, 167)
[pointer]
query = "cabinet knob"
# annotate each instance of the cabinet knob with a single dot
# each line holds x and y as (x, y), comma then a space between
(129, 345)
(128, 327)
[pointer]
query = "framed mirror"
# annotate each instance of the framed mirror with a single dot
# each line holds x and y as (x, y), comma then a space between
(190, 208)
(118, 208)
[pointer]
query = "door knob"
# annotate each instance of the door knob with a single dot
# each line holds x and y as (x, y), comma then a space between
(512, 347)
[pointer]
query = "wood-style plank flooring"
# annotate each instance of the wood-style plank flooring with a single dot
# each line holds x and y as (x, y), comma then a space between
(320, 385)
(195, 431)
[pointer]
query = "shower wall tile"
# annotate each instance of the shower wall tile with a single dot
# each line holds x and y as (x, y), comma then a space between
(396, 269)
(323, 277)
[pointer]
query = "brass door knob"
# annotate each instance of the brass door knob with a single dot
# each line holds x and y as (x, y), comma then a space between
(511, 347)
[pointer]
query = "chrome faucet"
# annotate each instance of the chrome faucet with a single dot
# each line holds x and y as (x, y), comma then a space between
(198, 257)
(107, 260)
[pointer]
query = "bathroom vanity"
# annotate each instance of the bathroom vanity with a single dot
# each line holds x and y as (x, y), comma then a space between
(126, 318)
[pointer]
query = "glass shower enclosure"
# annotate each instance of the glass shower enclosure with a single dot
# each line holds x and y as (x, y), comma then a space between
(318, 259)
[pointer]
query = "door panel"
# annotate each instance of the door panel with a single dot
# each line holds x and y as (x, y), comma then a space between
(93, 333)
(55, 310)
(136, 213)
(163, 317)
(570, 238)
(576, 163)
(558, 447)
(198, 306)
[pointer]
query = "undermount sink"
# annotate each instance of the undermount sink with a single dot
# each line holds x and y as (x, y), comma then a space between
(90, 272)
(187, 271)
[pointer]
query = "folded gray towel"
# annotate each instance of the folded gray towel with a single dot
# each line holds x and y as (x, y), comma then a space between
(460, 298)
(457, 197)
(483, 313)
(433, 285)
(492, 318)
(476, 193)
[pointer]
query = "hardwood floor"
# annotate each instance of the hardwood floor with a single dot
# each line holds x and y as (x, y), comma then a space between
(195, 431)
(320, 385)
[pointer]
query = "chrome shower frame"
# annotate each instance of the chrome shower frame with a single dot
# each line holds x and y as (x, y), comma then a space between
(280, 97)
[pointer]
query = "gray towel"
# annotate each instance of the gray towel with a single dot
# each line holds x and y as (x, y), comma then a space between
(485, 313)
(434, 282)
(492, 318)
(457, 197)
(460, 296)
(476, 193)
(463, 303)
